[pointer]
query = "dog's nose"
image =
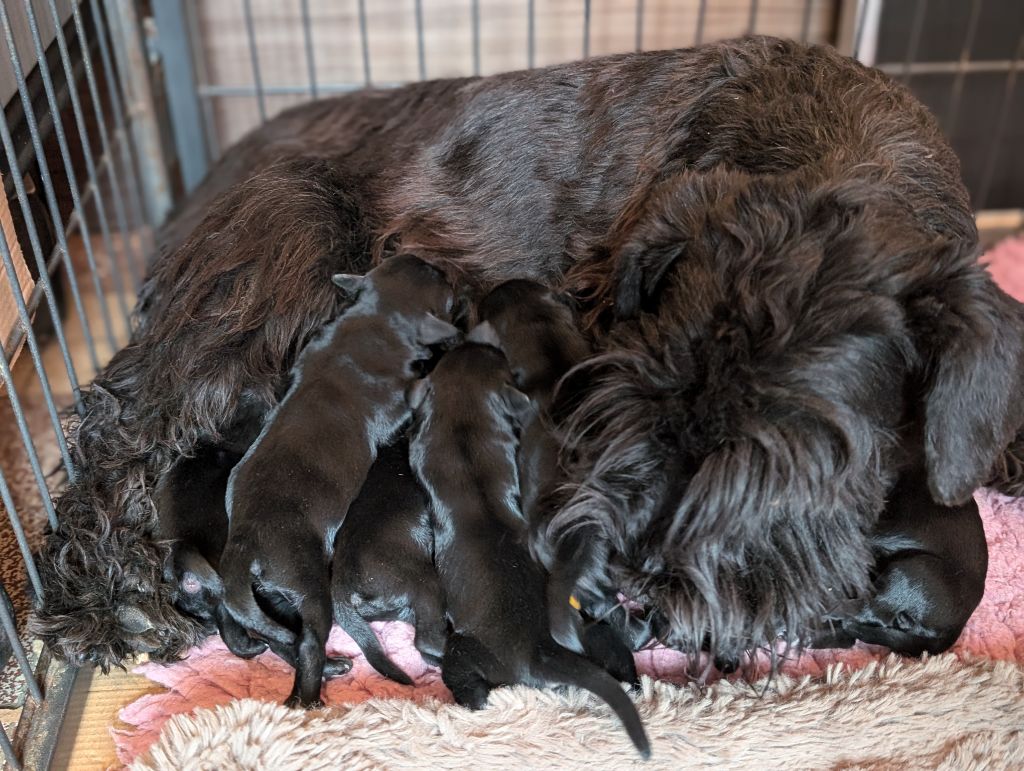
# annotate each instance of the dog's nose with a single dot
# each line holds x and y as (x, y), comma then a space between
(133, 620)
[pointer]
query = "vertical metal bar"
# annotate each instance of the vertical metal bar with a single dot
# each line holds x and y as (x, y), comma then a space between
(475, 9)
(202, 77)
(255, 58)
(48, 189)
(26, 438)
(11, 630)
(421, 49)
(19, 534)
(586, 29)
(180, 87)
(69, 171)
(805, 24)
(752, 21)
(915, 39)
(132, 65)
(364, 34)
(639, 25)
(128, 247)
(121, 128)
(1004, 115)
(90, 164)
(307, 36)
(41, 266)
(33, 347)
(5, 744)
(702, 10)
(531, 33)
(862, 18)
(956, 92)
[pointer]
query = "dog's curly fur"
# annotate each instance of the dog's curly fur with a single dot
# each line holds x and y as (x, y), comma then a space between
(776, 257)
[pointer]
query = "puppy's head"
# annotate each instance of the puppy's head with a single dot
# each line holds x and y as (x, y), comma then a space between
(404, 283)
(772, 335)
(538, 332)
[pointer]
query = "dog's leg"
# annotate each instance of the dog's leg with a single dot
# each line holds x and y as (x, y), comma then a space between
(461, 671)
(430, 623)
(311, 656)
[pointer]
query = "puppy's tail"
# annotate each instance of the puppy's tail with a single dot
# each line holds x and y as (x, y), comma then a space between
(557, 665)
(359, 630)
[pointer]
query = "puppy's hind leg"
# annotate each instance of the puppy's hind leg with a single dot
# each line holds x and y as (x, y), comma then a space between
(430, 623)
(462, 671)
(311, 655)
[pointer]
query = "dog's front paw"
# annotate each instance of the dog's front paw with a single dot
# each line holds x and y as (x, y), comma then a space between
(293, 702)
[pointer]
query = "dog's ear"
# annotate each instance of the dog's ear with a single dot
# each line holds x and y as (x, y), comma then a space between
(518, 404)
(462, 311)
(484, 334)
(639, 273)
(417, 393)
(432, 331)
(972, 339)
(349, 283)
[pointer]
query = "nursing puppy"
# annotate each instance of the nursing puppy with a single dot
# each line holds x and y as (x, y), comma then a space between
(929, 575)
(383, 567)
(463, 450)
(289, 495)
(537, 331)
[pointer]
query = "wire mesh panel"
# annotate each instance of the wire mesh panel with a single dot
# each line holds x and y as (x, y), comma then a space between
(73, 244)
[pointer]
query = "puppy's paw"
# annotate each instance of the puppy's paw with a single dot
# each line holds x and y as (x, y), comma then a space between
(337, 667)
(293, 702)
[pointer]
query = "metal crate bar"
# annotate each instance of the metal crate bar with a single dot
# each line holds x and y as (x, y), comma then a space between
(531, 33)
(752, 19)
(1001, 123)
(19, 532)
(364, 36)
(915, 39)
(11, 631)
(702, 11)
(307, 37)
(956, 91)
(8, 750)
(83, 138)
(805, 22)
(37, 359)
(639, 25)
(421, 46)
(254, 56)
(475, 11)
(48, 189)
(586, 29)
(121, 135)
(43, 283)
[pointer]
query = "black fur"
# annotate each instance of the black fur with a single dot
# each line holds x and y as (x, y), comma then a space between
(773, 251)
(290, 493)
(928, 578)
(463, 450)
(383, 567)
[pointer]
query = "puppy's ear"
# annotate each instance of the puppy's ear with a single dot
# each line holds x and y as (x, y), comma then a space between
(484, 334)
(639, 273)
(462, 311)
(417, 393)
(432, 331)
(972, 339)
(518, 404)
(349, 283)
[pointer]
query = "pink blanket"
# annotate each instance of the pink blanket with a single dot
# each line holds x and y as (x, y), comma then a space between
(211, 676)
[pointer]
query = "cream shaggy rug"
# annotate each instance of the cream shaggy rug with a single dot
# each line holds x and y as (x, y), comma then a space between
(943, 713)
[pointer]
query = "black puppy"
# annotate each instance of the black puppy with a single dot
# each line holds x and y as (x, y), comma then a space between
(383, 568)
(929, 575)
(193, 516)
(289, 495)
(464, 452)
(541, 338)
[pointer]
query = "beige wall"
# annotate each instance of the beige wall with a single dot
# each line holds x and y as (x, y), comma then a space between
(222, 43)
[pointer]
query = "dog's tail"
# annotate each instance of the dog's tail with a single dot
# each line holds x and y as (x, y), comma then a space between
(555, 664)
(359, 630)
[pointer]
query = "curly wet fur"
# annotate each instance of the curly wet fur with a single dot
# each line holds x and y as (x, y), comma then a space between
(622, 179)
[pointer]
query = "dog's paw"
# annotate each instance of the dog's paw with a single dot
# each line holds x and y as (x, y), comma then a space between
(337, 667)
(293, 702)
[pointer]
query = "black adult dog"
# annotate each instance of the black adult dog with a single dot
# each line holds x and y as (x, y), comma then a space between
(773, 251)
(463, 450)
(928, 578)
(288, 496)
(383, 567)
